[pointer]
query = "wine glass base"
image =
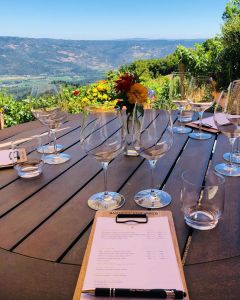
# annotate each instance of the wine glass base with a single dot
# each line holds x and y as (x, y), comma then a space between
(49, 149)
(152, 198)
(181, 129)
(227, 170)
(235, 157)
(103, 201)
(56, 159)
(200, 135)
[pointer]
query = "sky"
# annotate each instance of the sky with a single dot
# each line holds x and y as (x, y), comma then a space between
(111, 19)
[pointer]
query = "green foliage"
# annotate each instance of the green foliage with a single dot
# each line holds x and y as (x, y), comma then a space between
(161, 88)
(203, 59)
(230, 56)
(153, 68)
(231, 10)
(15, 112)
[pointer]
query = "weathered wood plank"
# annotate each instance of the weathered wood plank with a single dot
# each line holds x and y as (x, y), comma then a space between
(214, 280)
(10, 174)
(75, 254)
(19, 190)
(223, 241)
(24, 278)
(125, 167)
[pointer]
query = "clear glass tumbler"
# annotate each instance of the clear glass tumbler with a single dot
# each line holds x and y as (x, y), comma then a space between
(202, 203)
(33, 165)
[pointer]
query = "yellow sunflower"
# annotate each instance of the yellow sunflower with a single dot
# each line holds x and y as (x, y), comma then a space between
(137, 93)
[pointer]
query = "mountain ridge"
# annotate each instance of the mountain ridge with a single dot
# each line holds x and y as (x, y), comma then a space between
(46, 56)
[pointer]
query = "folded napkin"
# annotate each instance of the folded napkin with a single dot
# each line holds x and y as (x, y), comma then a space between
(208, 123)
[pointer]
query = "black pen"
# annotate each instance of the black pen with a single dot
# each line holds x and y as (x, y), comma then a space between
(136, 293)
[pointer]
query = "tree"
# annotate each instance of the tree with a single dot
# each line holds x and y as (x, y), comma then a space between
(230, 56)
(231, 10)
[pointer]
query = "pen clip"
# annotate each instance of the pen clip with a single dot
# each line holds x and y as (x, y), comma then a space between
(132, 218)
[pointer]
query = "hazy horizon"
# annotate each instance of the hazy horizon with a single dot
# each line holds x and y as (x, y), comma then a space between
(112, 39)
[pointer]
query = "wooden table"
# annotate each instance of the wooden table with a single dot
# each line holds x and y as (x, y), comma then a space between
(45, 222)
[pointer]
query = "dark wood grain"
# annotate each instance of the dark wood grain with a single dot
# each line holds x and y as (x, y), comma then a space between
(223, 241)
(23, 278)
(10, 174)
(214, 280)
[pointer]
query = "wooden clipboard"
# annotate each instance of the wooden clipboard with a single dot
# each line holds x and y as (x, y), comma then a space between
(113, 214)
(196, 126)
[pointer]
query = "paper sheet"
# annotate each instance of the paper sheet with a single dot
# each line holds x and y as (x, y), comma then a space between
(132, 256)
(210, 121)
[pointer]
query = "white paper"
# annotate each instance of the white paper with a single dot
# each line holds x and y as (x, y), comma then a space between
(6, 157)
(140, 256)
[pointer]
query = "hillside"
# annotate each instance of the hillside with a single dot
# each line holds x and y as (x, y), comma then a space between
(28, 56)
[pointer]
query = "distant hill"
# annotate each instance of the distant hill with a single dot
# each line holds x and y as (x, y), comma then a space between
(28, 56)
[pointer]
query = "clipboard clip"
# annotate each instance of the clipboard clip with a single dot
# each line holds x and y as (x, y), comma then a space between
(132, 218)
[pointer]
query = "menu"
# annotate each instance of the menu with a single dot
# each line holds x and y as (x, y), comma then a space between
(132, 255)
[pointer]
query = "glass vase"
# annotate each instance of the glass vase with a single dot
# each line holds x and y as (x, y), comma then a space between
(132, 128)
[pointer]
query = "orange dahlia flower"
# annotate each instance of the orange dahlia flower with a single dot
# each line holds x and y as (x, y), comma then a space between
(137, 93)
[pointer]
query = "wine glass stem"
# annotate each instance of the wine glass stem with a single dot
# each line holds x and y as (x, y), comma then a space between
(105, 166)
(232, 141)
(50, 137)
(238, 146)
(200, 114)
(152, 163)
(180, 116)
(54, 141)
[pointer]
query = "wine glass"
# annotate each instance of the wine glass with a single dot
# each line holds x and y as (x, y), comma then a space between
(235, 154)
(103, 136)
(178, 94)
(201, 91)
(152, 142)
(227, 120)
(51, 116)
(41, 95)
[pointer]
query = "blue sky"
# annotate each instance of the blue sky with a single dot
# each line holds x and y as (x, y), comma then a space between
(111, 19)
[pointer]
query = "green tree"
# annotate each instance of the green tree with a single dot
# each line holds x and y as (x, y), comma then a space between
(229, 61)
(231, 10)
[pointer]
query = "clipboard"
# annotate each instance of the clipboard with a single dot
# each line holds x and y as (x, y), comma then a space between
(134, 216)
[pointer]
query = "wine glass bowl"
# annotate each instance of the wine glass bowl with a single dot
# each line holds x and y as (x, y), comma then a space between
(103, 137)
(178, 90)
(201, 97)
(52, 117)
(152, 142)
(226, 118)
(41, 96)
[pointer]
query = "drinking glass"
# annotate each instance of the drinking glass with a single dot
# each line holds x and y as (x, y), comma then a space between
(178, 94)
(41, 94)
(53, 117)
(227, 120)
(33, 164)
(153, 140)
(201, 91)
(202, 203)
(103, 136)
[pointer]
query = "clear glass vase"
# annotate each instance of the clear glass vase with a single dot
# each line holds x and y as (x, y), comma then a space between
(132, 128)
